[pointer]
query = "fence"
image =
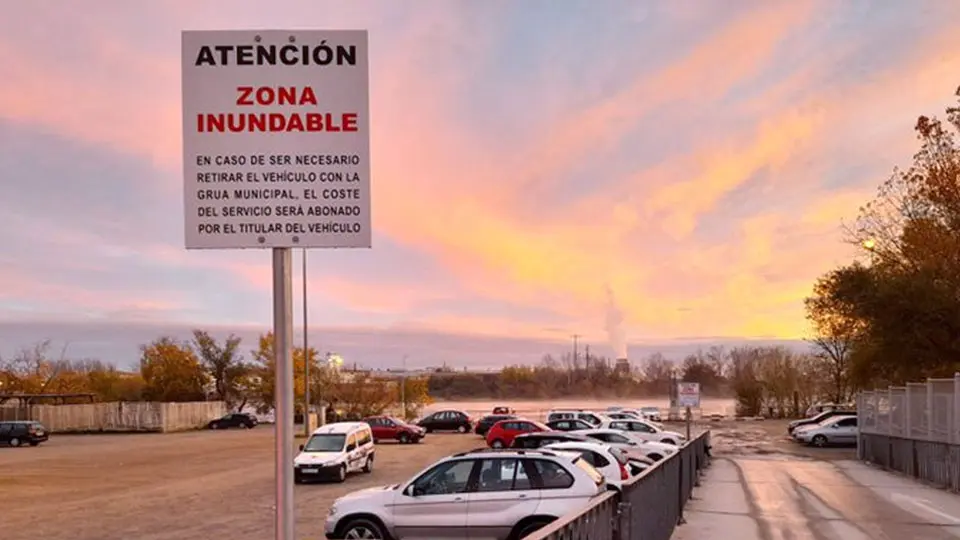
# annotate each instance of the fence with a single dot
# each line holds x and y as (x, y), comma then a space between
(913, 429)
(118, 416)
(649, 508)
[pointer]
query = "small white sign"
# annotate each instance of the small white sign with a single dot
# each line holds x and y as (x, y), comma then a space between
(688, 394)
(276, 139)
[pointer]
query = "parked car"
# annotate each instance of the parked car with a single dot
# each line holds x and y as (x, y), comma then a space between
(387, 428)
(234, 420)
(502, 433)
(447, 420)
(590, 417)
(836, 430)
(651, 413)
(485, 423)
(512, 493)
(503, 410)
(536, 439)
(610, 461)
(572, 424)
(627, 441)
(814, 420)
(818, 408)
(335, 450)
(645, 430)
(20, 432)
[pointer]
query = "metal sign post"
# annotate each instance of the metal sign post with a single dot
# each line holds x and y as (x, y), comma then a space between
(283, 350)
(276, 155)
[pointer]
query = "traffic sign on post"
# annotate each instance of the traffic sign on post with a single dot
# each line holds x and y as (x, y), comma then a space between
(276, 139)
(276, 154)
(688, 394)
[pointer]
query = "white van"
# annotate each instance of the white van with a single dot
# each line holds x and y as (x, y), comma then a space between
(333, 451)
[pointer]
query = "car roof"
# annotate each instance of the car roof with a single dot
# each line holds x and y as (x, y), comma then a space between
(544, 434)
(339, 428)
(594, 445)
(837, 418)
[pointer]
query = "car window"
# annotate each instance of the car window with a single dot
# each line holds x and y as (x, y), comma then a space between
(363, 437)
(640, 426)
(510, 426)
(526, 442)
(617, 438)
(551, 474)
(352, 440)
(5, 428)
(325, 442)
(498, 475)
(847, 422)
(597, 460)
(448, 477)
(620, 425)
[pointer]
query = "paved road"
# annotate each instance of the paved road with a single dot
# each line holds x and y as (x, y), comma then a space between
(785, 498)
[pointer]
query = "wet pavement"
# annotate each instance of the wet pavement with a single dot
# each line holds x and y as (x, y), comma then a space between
(774, 496)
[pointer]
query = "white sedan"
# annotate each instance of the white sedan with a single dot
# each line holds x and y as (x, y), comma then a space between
(628, 442)
(645, 430)
(611, 461)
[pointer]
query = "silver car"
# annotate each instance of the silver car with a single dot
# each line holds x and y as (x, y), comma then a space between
(498, 494)
(836, 430)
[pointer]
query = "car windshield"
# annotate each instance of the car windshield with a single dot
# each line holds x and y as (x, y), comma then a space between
(397, 421)
(327, 442)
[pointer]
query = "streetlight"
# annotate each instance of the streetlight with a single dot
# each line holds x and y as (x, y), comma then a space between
(869, 244)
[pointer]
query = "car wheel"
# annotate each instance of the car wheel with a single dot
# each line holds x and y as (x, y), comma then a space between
(497, 443)
(463, 429)
(403, 438)
(14, 442)
(368, 466)
(342, 473)
(214, 426)
(363, 529)
(655, 457)
(819, 441)
(529, 528)
(34, 443)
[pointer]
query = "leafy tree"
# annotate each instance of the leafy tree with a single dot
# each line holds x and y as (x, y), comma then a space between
(264, 374)
(836, 330)
(225, 365)
(171, 371)
(903, 306)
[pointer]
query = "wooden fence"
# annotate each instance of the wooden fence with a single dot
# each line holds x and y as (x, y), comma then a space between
(118, 416)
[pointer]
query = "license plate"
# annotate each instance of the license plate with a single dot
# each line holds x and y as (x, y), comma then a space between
(311, 471)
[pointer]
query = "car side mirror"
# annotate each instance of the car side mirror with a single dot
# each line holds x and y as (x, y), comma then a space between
(413, 491)
(301, 448)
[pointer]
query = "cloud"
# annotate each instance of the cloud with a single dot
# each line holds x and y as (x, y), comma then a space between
(697, 161)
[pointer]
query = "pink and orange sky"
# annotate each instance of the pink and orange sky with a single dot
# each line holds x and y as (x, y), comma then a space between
(694, 158)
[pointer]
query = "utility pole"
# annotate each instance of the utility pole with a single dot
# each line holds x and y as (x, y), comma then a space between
(576, 338)
(403, 388)
(306, 354)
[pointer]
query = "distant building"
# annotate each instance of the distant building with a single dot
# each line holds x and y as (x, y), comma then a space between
(622, 366)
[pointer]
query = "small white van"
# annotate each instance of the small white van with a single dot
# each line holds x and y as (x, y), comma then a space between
(333, 451)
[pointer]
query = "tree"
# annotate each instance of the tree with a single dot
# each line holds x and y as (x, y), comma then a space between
(658, 374)
(225, 366)
(263, 374)
(171, 371)
(903, 306)
(836, 329)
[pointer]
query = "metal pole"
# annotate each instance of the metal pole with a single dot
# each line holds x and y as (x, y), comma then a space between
(403, 388)
(306, 354)
(283, 391)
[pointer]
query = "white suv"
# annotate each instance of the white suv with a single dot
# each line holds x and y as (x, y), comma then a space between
(507, 493)
(627, 441)
(590, 417)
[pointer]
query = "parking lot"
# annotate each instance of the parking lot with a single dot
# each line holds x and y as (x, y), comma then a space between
(188, 486)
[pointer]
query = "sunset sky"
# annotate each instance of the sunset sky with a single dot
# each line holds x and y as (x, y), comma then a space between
(691, 158)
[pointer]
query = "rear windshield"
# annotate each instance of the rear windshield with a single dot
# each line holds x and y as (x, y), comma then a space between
(588, 468)
(327, 442)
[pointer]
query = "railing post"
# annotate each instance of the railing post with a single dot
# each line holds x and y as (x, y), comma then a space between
(907, 412)
(680, 501)
(929, 413)
(954, 432)
(622, 521)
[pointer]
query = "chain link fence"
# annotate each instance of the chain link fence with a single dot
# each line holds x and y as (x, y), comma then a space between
(913, 429)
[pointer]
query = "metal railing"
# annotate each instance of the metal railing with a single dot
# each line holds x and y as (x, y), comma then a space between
(649, 508)
(913, 429)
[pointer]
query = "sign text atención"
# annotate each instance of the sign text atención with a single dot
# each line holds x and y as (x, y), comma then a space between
(276, 139)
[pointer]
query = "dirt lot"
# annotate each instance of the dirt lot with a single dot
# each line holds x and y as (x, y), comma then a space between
(189, 486)
(764, 438)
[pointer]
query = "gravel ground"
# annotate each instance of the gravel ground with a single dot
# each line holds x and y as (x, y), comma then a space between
(187, 486)
(763, 438)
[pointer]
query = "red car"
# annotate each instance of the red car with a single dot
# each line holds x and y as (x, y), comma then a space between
(387, 428)
(502, 433)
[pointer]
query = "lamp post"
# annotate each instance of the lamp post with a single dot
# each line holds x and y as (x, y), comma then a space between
(306, 353)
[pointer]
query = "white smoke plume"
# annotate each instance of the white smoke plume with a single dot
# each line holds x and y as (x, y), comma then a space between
(616, 335)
